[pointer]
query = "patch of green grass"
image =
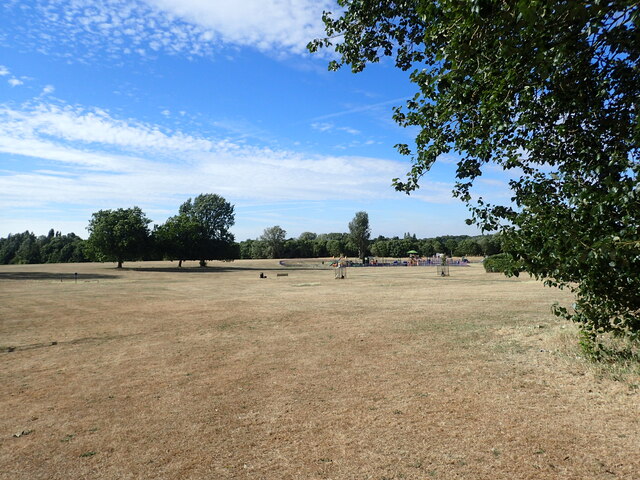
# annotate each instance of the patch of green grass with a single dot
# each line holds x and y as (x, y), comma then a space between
(617, 358)
(511, 347)
(68, 437)
(446, 325)
(88, 454)
(226, 326)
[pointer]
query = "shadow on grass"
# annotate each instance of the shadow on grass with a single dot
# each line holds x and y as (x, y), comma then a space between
(188, 269)
(214, 269)
(53, 276)
(76, 341)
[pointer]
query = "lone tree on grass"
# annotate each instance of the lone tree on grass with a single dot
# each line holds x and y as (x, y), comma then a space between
(360, 233)
(549, 92)
(118, 235)
(201, 229)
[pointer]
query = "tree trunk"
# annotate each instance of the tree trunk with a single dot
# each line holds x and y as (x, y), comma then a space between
(119, 263)
(179, 263)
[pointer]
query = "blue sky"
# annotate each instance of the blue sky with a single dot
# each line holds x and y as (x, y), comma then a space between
(119, 103)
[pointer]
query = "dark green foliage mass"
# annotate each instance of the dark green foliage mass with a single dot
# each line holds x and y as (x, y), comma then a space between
(60, 248)
(360, 231)
(24, 248)
(272, 241)
(335, 244)
(20, 248)
(548, 91)
(502, 263)
(118, 235)
(200, 231)
(179, 238)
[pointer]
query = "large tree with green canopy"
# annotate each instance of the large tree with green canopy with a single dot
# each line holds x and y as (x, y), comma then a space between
(273, 240)
(203, 226)
(360, 231)
(118, 235)
(549, 91)
(180, 238)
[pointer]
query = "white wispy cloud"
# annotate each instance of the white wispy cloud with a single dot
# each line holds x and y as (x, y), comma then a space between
(435, 192)
(265, 24)
(352, 131)
(4, 71)
(322, 126)
(186, 27)
(328, 127)
(88, 157)
(360, 108)
(94, 126)
(14, 82)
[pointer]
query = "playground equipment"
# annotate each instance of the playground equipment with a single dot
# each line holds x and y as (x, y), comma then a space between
(442, 270)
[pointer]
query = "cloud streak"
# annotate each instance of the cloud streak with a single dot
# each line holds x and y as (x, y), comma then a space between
(362, 108)
(142, 28)
(68, 155)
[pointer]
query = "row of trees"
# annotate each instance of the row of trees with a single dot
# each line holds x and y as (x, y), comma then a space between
(273, 243)
(311, 245)
(200, 232)
(51, 248)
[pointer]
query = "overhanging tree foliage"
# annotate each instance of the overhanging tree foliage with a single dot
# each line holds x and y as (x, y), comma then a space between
(547, 90)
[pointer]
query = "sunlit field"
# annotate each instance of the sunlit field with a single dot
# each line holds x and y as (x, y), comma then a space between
(392, 373)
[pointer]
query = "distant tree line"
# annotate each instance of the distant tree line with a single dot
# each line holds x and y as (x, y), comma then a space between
(311, 245)
(200, 232)
(22, 248)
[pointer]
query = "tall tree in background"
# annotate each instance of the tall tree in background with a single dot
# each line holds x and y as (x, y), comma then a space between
(360, 233)
(273, 240)
(214, 217)
(547, 90)
(179, 238)
(118, 235)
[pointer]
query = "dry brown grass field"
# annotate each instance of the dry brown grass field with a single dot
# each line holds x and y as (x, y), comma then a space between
(393, 373)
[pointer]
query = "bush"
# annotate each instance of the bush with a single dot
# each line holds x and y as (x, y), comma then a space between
(502, 263)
